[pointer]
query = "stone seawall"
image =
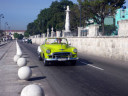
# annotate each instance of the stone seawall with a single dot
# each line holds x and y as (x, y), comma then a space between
(115, 48)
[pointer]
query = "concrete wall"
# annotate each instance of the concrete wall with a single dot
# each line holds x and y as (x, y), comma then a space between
(107, 47)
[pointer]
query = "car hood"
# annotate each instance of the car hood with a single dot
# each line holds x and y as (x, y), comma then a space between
(56, 47)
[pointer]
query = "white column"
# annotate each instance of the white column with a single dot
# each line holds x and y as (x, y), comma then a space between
(43, 35)
(67, 21)
(79, 31)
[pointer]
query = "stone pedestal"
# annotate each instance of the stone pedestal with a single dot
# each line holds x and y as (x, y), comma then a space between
(52, 32)
(79, 31)
(63, 33)
(47, 32)
(93, 30)
(58, 33)
(43, 35)
(123, 28)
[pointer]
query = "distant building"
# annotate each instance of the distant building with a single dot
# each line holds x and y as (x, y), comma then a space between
(9, 33)
(121, 14)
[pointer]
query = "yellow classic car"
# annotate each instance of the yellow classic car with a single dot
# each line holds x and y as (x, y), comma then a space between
(57, 49)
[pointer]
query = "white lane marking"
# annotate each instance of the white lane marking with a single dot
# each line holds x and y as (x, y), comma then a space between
(92, 66)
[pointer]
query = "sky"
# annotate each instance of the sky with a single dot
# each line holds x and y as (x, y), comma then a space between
(18, 13)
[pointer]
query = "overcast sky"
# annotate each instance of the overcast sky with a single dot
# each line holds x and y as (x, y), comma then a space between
(18, 13)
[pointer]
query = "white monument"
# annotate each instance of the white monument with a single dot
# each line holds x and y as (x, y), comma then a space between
(43, 35)
(67, 21)
(52, 32)
(47, 32)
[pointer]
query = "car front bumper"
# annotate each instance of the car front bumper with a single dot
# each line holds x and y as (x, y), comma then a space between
(61, 59)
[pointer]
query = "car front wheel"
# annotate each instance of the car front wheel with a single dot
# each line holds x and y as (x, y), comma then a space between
(45, 62)
(39, 56)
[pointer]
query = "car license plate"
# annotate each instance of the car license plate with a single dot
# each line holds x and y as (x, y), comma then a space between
(62, 59)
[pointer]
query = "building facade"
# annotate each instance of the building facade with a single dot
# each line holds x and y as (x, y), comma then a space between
(121, 14)
(10, 33)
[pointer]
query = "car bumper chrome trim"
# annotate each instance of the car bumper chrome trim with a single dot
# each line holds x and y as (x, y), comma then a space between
(61, 59)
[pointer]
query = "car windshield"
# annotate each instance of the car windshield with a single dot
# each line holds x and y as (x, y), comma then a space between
(56, 41)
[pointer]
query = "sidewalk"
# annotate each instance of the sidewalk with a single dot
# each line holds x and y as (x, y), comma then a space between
(2, 43)
(10, 84)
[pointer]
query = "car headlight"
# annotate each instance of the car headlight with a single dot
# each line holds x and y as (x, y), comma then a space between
(75, 50)
(48, 51)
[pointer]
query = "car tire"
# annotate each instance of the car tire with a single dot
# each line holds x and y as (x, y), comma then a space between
(46, 63)
(39, 56)
(73, 63)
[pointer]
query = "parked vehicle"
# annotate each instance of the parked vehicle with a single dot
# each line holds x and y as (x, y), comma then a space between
(29, 41)
(25, 40)
(57, 49)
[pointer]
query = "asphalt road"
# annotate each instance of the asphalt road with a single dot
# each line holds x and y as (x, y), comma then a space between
(88, 78)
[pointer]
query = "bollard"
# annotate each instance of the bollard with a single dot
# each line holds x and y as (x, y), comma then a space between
(22, 62)
(16, 57)
(32, 90)
(24, 73)
(19, 52)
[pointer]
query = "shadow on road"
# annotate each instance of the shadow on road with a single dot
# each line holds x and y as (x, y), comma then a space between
(33, 66)
(37, 78)
(78, 63)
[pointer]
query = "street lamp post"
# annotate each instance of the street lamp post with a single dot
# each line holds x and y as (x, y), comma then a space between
(5, 28)
(1, 16)
(6, 23)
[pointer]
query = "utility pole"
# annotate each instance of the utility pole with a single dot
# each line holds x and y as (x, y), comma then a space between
(5, 28)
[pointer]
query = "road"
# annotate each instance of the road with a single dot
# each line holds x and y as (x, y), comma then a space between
(88, 78)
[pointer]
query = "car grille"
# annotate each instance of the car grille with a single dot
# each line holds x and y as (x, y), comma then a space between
(61, 55)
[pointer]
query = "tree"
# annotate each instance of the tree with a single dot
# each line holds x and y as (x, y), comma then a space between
(109, 29)
(16, 35)
(75, 17)
(54, 16)
(99, 9)
(20, 36)
(26, 34)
